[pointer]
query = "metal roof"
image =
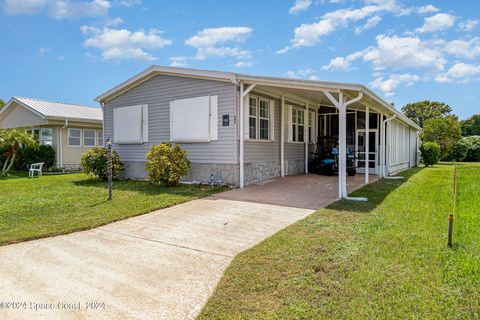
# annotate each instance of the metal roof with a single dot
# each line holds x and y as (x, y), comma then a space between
(266, 80)
(59, 110)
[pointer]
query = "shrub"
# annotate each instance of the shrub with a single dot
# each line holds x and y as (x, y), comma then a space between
(44, 153)
(94, 162)
(473, 148)
(459, 151)
(166, 164)
(430, 153)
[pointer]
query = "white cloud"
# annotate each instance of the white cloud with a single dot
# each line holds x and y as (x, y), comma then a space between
(243, 64)
(341, 63)
(300, 5)
(59, 9)
(459, 72)
(122, 44)
(302, 74)
(309, 34)
(178, 61)
(43, 50)
(24, 6)
(427, 9)
(127, 3)
(213, 42)
(113, 22)
(461, 48)
(370, 24)
(403, 52)
(469, 24)
(438, 22)
(388, 86)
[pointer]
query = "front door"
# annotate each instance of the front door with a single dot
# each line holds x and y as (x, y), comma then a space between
(372, 154)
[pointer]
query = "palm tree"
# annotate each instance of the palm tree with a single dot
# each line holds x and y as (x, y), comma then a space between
(11, 141)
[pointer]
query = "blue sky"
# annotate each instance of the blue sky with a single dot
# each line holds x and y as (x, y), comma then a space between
(72, 50)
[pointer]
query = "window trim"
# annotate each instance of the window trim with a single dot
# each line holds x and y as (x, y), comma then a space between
(257, 118)
(94, 138)
(80, 145)
(97, 139)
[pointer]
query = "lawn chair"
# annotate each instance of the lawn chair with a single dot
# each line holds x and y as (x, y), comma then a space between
(35, 167)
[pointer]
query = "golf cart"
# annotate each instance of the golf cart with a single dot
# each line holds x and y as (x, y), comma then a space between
(325, 159)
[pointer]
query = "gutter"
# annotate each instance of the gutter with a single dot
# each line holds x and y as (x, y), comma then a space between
(61, 142)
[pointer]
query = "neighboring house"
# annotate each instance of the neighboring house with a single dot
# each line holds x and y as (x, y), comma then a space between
(269, 133)
(71, 129)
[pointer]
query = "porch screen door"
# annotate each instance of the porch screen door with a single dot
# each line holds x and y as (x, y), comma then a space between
(372, 145)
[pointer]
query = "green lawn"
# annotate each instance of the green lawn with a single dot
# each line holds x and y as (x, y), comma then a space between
(59, 204)
(385, 259)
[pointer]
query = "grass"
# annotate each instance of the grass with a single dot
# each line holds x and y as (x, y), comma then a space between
(60, 204)
(384, 259)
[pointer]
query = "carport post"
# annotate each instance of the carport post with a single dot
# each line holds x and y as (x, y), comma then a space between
(243, 94)
(305, 135)
(282, 137)
(367, 143)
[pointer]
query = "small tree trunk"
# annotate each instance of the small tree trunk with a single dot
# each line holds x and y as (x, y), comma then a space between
(5, 165)
(12, 159)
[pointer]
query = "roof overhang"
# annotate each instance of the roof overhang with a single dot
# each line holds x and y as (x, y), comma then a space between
(279, 84)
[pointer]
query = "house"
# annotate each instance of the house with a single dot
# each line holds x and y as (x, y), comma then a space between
(246, 128)
(70, 128)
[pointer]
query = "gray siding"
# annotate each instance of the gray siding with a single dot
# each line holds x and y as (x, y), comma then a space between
(157, 92)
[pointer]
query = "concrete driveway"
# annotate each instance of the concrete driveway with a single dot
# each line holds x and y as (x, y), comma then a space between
(162, 265)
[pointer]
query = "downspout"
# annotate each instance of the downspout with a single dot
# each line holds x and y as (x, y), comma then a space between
(61, 142)
(384, 153)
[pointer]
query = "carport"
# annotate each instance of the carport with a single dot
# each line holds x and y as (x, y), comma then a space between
(391, 148)
(298, 191)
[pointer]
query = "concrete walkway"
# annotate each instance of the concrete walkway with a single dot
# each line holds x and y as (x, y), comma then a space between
(162, 265)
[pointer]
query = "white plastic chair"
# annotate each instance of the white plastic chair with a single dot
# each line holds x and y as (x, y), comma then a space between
(35, 167)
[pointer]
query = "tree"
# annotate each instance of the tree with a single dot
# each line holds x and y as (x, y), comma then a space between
(421, 111)
(2, 103)
(11, 142)
(444, 131)
(471, 126)
(430, 151)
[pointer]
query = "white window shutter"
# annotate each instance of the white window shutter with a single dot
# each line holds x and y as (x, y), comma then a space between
(288, 110)
(213, 117)
(272, 120)
(246, 114)
(145, 123)
(127, 125)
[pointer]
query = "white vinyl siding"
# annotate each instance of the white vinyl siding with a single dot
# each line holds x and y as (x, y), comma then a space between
(74, 137)
(260, 120)
(130, 124)
(194, 119)
(88, 138)
(99, 138)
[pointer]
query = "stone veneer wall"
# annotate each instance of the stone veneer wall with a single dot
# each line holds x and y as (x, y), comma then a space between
(257, 171)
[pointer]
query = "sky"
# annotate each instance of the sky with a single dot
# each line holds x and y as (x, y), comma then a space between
(405, 50)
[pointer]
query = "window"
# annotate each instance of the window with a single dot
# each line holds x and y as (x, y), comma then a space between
(46, 136)
(74, 137)
(35, 134)
(130, 124)
(252, 118)
(298, 124)
(260, 114)
(88, 138)
(99, 138)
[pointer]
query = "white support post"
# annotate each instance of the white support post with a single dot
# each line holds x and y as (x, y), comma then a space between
(341, 105)
(282, 137)
(243, 94)
(367, 143)
(306, 115)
